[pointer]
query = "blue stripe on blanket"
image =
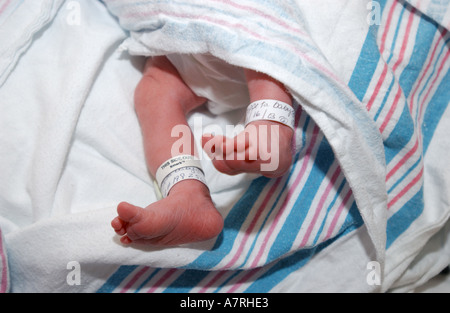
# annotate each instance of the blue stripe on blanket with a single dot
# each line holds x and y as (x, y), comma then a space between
(261, 5)
(286, 266)
(401, 220)
(436, 10)
(266, 278)
(367, 63)
(437, 107)
(404, 130)
(412, 209)
(232, 224)
(7, 8)
(117, 278)
(304, 202)
(287, 18)
(424, 40)
(288, 233)
(365, 67)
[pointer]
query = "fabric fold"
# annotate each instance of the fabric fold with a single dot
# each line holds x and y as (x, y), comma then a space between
(34, 16)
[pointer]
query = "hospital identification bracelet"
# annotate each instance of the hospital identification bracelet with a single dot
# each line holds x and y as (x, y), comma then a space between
(271, 110)
(177, 169)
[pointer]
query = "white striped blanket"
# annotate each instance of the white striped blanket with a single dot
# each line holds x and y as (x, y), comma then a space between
(339, 176)
(367, 117)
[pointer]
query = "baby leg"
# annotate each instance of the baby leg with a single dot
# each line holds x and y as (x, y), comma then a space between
(162, 101)
(264, 147)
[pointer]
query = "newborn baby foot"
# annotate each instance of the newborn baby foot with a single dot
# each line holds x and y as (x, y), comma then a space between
(264, 147)
(186, 215)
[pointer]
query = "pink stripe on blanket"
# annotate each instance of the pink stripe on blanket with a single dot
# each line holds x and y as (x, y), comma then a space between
(4, 6)
(305, 56)
(289, 195)
(162, 280)
(258, 12)
(430, 61)
(320, 206)
(134, 279)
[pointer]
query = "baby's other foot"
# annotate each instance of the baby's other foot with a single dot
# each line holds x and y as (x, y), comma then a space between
(264, 147)
(187, 215)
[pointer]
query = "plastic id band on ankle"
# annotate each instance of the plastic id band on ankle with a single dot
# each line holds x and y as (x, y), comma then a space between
(271, 110)
(177, 169)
